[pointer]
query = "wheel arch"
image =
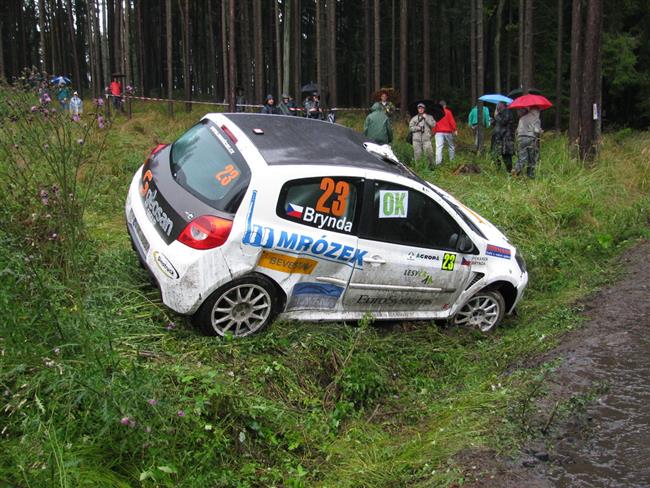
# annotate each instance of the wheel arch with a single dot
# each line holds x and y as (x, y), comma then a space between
(507, 290)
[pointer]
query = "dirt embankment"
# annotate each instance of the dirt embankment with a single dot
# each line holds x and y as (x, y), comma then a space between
(608, 442)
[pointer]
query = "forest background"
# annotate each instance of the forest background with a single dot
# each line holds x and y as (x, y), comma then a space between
(204, 50)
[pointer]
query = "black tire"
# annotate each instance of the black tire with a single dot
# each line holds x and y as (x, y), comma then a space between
(241, 307)
(485, 311)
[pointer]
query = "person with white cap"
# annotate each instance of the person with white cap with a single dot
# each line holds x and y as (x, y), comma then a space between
(76, 105)
(421, 126)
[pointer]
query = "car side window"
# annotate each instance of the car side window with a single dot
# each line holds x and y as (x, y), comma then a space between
(327, 202)
(402, 215)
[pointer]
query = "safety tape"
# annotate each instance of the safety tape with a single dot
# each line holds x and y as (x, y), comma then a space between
(221, 104)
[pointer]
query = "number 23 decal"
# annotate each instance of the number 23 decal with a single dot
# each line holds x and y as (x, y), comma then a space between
(341, 189)
(228, 175)
(448, 261)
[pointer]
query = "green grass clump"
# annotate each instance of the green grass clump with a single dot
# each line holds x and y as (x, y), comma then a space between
(103, 386)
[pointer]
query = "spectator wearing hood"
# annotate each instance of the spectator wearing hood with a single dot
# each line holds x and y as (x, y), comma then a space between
(287, 105)
(313, 110)
(377, 125)
(269, 107)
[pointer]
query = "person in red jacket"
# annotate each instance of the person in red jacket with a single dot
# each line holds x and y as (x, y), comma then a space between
(116, 92)
(444, 131)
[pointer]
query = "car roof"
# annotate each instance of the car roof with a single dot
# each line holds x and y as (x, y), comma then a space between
(287, 140)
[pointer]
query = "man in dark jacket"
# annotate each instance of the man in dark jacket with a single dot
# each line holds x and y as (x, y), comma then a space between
(377, 125)
(269, 106)
(503, 136)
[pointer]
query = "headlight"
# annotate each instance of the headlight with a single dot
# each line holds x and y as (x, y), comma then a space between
(520, 261)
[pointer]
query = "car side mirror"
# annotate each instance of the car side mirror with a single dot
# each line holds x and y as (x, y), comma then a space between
(453, 240)
(464, 244)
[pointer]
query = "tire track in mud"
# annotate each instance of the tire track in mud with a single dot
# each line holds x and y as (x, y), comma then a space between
(609, 443)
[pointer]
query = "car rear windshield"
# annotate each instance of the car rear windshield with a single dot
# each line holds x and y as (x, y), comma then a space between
(207, 164)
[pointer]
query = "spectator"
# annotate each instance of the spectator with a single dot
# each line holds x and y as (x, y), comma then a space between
(529, 131)
(313, 109)
(503, 136)
(472, 120)
(269, 107)
(287, 105)
(444, 131)
(76, 105)
(240, 100)
(63, 96)
(377, 125)
(116, 93)
(387, 105)
(420, 126)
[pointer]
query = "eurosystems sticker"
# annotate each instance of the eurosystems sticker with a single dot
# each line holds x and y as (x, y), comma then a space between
(497, 251)
(393, 204)
(314, 295)
(165, 265)
(301, 244)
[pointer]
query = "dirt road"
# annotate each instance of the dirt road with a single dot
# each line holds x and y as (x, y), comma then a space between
(608, 443)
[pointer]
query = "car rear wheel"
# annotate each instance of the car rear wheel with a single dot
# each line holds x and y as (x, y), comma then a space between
(485, 310)
(240, 308)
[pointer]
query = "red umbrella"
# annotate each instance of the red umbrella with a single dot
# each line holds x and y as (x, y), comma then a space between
(530, 101)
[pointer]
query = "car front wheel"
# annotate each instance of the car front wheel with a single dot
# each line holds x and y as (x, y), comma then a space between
(485, 310)
(240, 308)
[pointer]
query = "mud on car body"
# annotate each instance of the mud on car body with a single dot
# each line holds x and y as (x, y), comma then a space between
(245, 217)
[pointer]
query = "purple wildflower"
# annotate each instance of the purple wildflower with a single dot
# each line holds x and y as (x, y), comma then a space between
(152, 402)
(128, 421)
(76, 118)
(33, 109)
(100, 121)
(171, 326)
(181, 413)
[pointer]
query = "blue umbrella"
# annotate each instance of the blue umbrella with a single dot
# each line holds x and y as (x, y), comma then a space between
(495, 98)
(60, 79)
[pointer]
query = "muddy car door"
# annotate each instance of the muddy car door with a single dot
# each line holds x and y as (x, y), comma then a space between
(411, 263)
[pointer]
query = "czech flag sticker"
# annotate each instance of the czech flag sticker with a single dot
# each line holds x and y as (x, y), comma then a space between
(294, 210)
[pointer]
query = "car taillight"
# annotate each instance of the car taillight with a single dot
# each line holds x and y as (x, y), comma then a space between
(206, 232)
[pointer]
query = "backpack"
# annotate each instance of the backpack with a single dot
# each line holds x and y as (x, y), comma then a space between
(409, 137)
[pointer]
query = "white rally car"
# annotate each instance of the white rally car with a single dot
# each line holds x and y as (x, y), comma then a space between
(248, 216)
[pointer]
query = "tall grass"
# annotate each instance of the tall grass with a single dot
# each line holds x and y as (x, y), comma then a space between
(131, 394)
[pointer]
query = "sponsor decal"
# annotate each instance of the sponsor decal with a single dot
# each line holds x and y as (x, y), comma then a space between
(448, 261)
(146, 178)
(393, 204)
(465, 262)
(156, 214)
(497, 251)
(322, 248)
(294, 210)
(371, 300)
(327, 221)
(424, 277)
(412, 256)
(314, 296)
(165, 265)
(478, 260)
(287, 264)
(223, 140)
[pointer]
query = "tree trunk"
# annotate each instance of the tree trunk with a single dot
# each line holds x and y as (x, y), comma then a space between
(576, 72)
(393, 37)
(331, 40)
(297, 45)
(497, 46)
(258, 40)
(212, 57)
(403, 56)
(126, 44)
(480, 74)
(3, 76)
(319, 43)
(184, 8)
(426, 51)
(224, 51)
(558, 67)
(528, 47)
(377, 44)
(73, 44)
(521, 32)
(278, 48)
(168, 34)
(142, 79)
(590, 102)
(232, 55)
(286, 20)
(100, 61)
(472, 50)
